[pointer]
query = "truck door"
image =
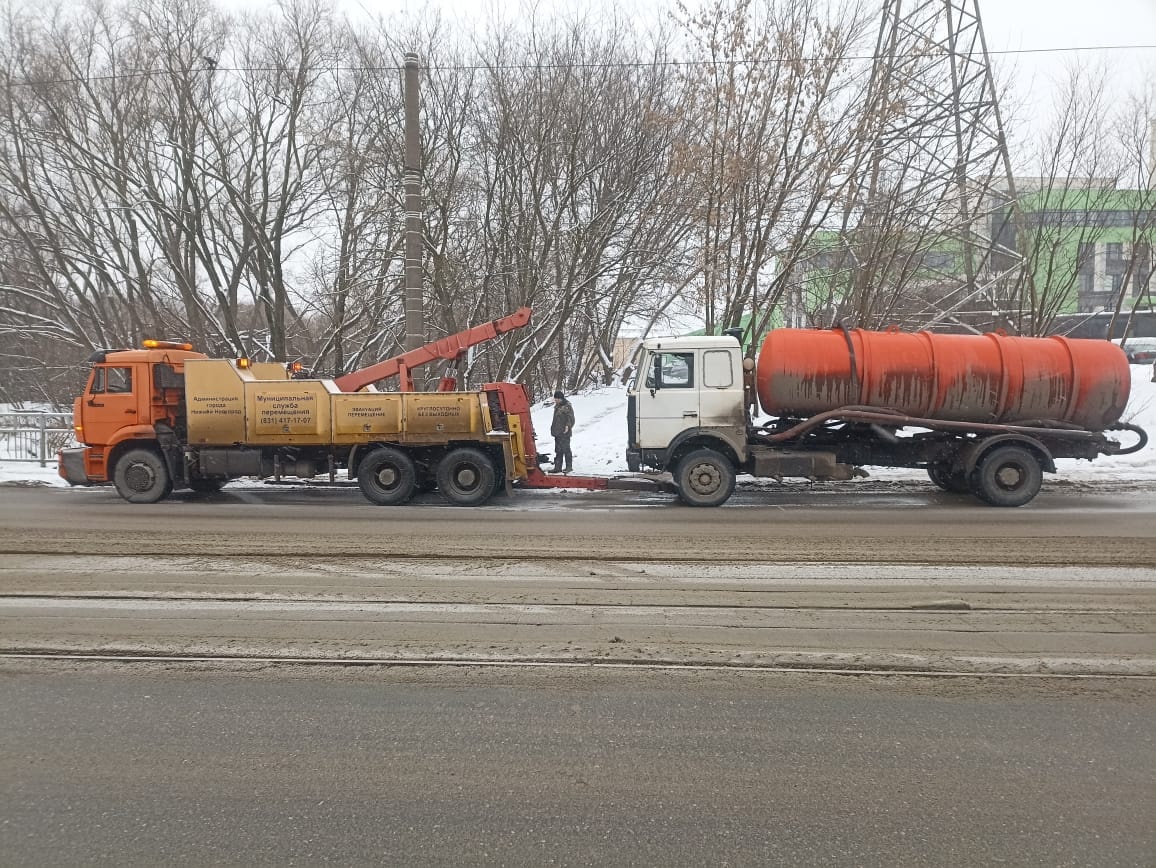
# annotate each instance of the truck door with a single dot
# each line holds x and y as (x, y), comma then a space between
(720, 402)
(667, 397)
(110, 402)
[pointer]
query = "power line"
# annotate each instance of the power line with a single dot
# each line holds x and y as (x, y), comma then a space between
(626, 64)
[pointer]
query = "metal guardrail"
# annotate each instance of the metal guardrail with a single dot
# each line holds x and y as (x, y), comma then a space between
(34, 435)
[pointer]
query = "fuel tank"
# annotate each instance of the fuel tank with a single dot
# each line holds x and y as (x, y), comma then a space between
(965, 378)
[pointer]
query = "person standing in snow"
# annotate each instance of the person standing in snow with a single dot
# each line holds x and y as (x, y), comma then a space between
(561, 428)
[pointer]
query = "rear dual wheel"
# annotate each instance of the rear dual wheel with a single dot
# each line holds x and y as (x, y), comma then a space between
(467, 477)
(387, 476)
(1007, 476)
(949, 477)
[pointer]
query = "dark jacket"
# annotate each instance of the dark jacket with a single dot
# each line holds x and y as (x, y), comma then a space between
(563, 423)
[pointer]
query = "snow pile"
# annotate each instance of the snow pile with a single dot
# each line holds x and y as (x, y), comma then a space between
(1142, 465)
(599, 441)
(29, 473)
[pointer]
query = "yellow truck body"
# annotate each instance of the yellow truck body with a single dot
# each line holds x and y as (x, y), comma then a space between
(262, 406)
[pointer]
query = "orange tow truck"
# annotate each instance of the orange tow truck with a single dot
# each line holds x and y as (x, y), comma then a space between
(165, 417)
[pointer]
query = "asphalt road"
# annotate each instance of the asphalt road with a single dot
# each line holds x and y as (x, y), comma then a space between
(864, 523)
(611, 757)
(277, 767)
(866, 577)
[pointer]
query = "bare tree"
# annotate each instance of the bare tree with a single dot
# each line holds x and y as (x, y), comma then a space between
(779, 101)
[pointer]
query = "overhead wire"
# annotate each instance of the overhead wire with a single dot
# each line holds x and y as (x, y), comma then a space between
(625, 64)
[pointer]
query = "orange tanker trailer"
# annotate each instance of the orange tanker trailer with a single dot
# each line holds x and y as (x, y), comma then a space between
(967, 378)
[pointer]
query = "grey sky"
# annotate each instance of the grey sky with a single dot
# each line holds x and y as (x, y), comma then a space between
(1009, 25)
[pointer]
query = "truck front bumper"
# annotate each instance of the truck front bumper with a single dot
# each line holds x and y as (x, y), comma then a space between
(70, 465)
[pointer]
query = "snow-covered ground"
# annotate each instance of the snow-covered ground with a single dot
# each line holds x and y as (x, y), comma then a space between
(599, 442)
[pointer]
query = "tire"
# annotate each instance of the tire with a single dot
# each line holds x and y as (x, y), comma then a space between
(205, 485)
(467, 477)
(386, 476)
(141, 476)
(948, 477)
(704, 478)
(1007, 476)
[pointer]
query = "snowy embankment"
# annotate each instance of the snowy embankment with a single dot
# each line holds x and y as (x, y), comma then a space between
(599, 442)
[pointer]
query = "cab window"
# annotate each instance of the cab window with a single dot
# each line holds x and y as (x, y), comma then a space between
(112, 381)
(671, 371)
(717, 371)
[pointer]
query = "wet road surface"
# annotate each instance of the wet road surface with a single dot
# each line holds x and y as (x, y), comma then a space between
(887, 578)
(233, 761)
(276, 767)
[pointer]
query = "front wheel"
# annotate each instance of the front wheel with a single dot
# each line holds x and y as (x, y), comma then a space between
(467, 477)
(1007, 476)
(141, 476)
(704, 478)
(386, 476)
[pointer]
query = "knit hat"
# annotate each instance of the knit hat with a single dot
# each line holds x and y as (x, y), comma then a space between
(558, 393)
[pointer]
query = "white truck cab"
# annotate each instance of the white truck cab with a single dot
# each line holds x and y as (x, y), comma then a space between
(688, 395)
(687, 414)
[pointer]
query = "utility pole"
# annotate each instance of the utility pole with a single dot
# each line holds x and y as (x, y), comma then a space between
(414, 302)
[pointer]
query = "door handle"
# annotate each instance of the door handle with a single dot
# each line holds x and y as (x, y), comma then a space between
(689, 415)
(130, 412)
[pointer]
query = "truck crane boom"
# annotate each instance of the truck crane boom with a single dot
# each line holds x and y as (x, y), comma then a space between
(449, 348)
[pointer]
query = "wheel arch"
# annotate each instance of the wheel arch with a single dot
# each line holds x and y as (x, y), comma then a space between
(700, 438)
(974, 454)
(117, 450)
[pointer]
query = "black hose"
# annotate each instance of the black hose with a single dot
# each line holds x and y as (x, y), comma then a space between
(1135, 429)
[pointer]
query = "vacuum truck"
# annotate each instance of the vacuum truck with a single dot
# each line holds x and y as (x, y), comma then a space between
(982, 414)
(985, 414)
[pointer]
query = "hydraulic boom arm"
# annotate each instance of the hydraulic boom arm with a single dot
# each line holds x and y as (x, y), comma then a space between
(449, 348)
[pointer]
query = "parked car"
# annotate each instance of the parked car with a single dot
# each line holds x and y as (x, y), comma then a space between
(1140, 351)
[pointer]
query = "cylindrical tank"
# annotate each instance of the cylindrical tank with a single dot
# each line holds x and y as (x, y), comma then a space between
(967, 378)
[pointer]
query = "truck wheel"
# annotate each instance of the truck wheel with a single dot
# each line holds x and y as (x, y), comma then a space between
(142, 477)
(704, 478)
(948, 477)
(467, 477)
(1007, 476)
(386, 476)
